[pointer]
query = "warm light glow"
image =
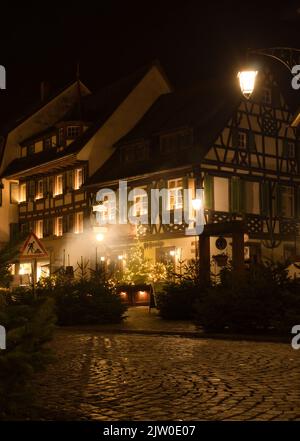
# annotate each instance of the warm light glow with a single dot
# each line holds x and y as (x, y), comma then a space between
(120, 257)
(142, 294)
(102, 258)
(100, 237)
(123, 294)
(247, 81)
(172, 253)
(21, 271)
(197, 204)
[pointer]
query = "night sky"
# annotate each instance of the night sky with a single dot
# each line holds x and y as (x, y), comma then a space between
(113, 38)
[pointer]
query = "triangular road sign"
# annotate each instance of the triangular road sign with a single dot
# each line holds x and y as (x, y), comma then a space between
(33, 248)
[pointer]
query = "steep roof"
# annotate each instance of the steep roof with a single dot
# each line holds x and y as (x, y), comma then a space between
(206, 108)
(95, 108)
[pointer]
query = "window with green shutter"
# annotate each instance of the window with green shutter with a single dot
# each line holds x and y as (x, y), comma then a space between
(208, 192)
(265, 198)
(234, 194)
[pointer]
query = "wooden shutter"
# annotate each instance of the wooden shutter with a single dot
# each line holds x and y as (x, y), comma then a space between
(297, 190)
(65, 224)
(70, 175)
(234, 194)
(65, 182)
(285, 148)
(265, 198)
(46, 186)
(297, 154)
(71, 223)
(235, 137)
(50, 226)
(278, 199)
(27, 191)
(208, 191)
(31, 190)
(251, 141)
(45, 227)
(51, 185)
(242, 196)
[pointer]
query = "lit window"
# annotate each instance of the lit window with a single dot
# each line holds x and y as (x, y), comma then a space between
(58, 188)
(107, 209)
(174, 194)
(22, 192)
(39, 189)
(267, 96)
(73, 131)
(59, 226)
(14, 193)
(78, 178)
(39, 228)
(221, 193)
(78, 223)
(140, 206)
(252, 197)
(242, 140)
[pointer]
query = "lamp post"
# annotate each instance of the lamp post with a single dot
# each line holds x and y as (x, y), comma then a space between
(288, 57)
(197, 204)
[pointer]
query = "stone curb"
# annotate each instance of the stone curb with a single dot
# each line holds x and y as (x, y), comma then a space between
(183, 334)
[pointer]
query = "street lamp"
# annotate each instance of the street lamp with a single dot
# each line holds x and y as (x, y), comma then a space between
(100, 237)
(286, 56)
(197, 203)
(247, 81)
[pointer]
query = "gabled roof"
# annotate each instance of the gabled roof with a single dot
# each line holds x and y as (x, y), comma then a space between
(205, 108)
(35, 107)
(96, 108)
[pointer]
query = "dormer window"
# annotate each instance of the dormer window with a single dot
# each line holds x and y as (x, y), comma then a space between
(178, 140)
(47, 143)
(73, 132)
(31, 149)
(135, 152)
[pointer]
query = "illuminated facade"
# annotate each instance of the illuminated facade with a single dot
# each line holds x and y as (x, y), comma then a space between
(243, 152)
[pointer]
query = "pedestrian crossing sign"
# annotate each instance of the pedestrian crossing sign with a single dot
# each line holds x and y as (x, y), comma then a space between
(33, 248)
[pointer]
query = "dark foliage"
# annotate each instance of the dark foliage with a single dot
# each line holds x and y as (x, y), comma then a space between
(29, 324)
(262, 300)
(83, 302)
(176, 300)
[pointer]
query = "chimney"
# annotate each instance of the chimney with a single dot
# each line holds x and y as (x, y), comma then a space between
(45, 90)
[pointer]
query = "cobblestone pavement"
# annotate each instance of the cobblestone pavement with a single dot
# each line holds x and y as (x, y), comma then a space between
(144, 377)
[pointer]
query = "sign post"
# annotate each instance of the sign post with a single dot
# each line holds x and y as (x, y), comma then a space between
(33, 249)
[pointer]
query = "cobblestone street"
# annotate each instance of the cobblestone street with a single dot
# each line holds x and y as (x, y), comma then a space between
(146, 377)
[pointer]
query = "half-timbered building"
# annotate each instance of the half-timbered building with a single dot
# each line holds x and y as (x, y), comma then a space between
(48, 158)
(243, 152)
